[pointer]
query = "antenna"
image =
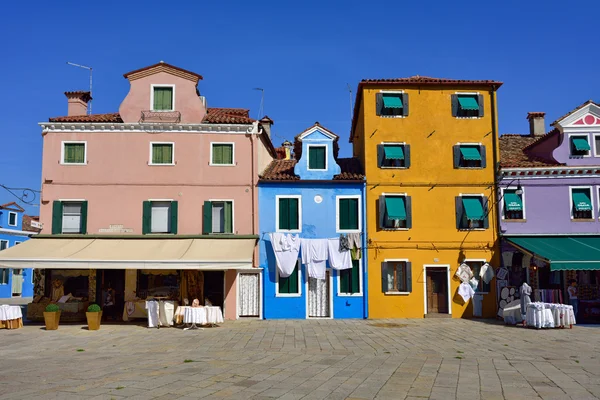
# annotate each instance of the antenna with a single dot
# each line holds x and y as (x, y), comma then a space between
(262, 102)
(350, 93)
(90, 69)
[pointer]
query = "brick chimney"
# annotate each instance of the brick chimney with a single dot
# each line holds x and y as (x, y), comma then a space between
(266, 123)
(77, 102)
(537, 126)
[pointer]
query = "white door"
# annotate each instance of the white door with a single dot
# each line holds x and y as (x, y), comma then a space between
(318, 297)
(249, 295)
(17, 282)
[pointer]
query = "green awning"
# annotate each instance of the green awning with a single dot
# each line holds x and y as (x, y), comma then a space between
(468, 103)
(473, 208)
(581, 144)
(470, 153)
(581, 201)
(563, 252)
(395, 208)
(393, 152)
(513, 202)
(392, 101)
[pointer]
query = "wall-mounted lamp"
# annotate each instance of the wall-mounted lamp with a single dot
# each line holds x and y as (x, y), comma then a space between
(519, 190)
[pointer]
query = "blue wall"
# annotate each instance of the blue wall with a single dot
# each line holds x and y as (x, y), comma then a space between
(301, 168)
(318, 221)
(6, 289)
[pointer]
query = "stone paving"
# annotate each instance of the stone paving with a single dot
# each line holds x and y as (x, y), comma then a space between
(314, 359)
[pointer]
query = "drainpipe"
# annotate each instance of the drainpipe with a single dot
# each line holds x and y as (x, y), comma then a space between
(497, 176)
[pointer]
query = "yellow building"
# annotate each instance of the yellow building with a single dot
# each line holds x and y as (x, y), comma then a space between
(429, 147)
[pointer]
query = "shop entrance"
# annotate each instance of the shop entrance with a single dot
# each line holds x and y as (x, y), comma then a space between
(111, 279)
(436, 285)
(214, 287)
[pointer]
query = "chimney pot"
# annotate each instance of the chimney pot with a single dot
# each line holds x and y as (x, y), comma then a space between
(266, 123)
(537, 125)
(77, 103)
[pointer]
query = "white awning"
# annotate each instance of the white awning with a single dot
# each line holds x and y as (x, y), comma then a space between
(100, 253)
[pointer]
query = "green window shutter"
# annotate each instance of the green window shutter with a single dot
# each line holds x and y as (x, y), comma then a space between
(293, 214)
(456, 155)
(454, 102)
(344, 281)
(162, 153)
(384, 281)
(407, 156)
(174, 212)
(348, 214)
(163, 98)
(146, 217)
(459, 212)
(408, 205)
(486, 217)
(382, 213)
(207, 218)
(227, 154)
(483, 156)
(379, 103)
(405, 104)
(355, 281)
(284, 213)
(168, 153)
(480, 102)
(289, 285)
(217, 154)
(84, 214)
(228, 217)
(57, 214)
(380, 155)
(316, 157)
(74, 153)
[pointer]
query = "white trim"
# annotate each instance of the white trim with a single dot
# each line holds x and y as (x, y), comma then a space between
(501, 205)
(319, 128)
(16, 214)
(308, 146)
(158, 85)
(259, 272)
(391, 91)
(62, 152)
(5, 241)
(299, 294)
(172, 154)
(468, 93)
(486, 212)
(590, 188)
(482, 260)
(330, 288)
(148, 127)
(337, 213)
(405, 195)
(596, 148)
(360, 282)
(16, 233)
(587, 137)
(295, 196)
(232, 215)
(151, 200)
(72, 200)
(570, 119)
(404, 260)
(449, 288)
(210, 162)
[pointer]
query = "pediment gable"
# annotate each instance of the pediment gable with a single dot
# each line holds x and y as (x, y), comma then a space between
(586, 116)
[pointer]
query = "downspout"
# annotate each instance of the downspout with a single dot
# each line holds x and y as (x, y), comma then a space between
(496, 162)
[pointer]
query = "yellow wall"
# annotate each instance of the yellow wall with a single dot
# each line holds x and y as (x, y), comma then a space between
(431, 131)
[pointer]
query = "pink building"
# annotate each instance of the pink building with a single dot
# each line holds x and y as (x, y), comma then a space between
(157, 199)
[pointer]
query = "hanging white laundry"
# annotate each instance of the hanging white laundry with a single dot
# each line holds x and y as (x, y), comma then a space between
(465, 291)
(526, 260)
(464, 273)
(285, 259)
(474, 283)
(314, 256)
(486, 273)
(338, 259)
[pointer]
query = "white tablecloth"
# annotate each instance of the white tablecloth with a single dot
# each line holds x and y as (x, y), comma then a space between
(8, 313)
(548, 315)
(201, 315)
(512, 313)
(160, 313)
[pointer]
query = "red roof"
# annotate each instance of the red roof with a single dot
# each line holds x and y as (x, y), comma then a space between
(12, 206)
(27, 223)
(213, 116)
(283, 170)
(512, 154)
(162, 64)
(111, 117)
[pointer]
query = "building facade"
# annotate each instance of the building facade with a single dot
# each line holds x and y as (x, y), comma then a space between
(159, 198)
(549, 206)
(15, 228)
(428, 147)
(316, 195)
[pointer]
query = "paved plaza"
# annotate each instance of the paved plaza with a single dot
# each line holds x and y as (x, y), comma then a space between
(314, 359)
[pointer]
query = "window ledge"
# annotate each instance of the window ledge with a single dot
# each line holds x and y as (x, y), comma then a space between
(514, 220)
(162, 111)
(222, 165)
(583, 220)
(162, 165)
(318, 170)
(395, 229)
(348, 231)
(393, 116)
(288, 231)
(288, 295)
(457, 117)
(460, 167)
(393, 167)
(350, 294)
(473, 229)
(397, 293)
(65, 163)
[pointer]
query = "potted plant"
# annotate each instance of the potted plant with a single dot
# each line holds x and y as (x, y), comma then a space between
(94, 316)
(51, 317)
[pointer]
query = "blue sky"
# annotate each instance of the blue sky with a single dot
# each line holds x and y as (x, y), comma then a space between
(303, 55)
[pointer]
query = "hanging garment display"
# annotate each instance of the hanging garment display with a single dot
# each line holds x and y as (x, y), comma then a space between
(286, 248)
(486, 273)
(465, 291)
(355, 245)
(464, 273)
(507, 258)
(314, 256)
(338, 259)
(525, 292)
(526, 260)
(344, 243)
(474, 283)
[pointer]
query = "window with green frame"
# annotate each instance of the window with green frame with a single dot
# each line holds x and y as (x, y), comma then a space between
(317, 157)
(350, 279)
(289, 213)
(163, 98)
(74, 153)
(289, 285)
(222, 154)
(162, 153)
(348, 213)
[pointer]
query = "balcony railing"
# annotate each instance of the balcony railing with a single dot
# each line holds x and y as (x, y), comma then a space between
(160, 116)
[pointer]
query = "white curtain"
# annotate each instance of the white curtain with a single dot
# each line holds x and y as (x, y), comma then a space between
(249, 293)
(318, 297)
(17, 283)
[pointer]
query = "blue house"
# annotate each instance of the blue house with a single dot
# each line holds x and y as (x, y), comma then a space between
(316, 195)
(15, 228)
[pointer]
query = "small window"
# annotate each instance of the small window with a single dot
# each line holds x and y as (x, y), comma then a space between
(74, 153)
(222, 217)
(291, 284)
(597, 140)
(71, 217)
(159, 217)
(469, 156)
(393, 155)
(3, 244)
(162, 153)
(163, 98)
(397, 277)
(317, 157)
(222, 154)
(582, 203)
(348, 214)
(395, 212)
(475, 266)
(350, 279)
(392, 104)
(513, 205)
(4, 272)
(12, 218)
(579, 146)
(471, 212)
(288, 210)
(467, 105)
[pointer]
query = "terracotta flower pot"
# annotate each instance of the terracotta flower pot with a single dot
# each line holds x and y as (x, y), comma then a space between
(93, 320)
(51, 319)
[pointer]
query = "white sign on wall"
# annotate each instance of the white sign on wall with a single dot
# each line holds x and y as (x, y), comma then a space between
(115, 229)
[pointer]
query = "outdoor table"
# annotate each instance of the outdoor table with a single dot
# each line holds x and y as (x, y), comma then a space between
(209, 315)
(11, 317)
(549, 315)
(512, 313)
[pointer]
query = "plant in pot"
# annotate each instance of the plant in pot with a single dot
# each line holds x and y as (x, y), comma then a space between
(94, 316)
(51, 317)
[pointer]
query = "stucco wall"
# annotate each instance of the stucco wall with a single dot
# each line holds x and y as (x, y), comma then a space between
(317, 138)
(6, 289)
(562, 152)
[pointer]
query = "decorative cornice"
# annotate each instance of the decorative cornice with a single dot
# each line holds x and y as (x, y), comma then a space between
(145, 127)
(568, 172)
(14, 232)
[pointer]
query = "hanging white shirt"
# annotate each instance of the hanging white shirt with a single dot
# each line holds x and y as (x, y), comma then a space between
(314, 256)
(338, 259)
(486, 273)
(465, 291)
(286, 248)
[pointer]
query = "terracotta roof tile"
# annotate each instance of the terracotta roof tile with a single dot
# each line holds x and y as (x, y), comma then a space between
(27, 223)
(163, 65)
(574, 110)
(12, 206)
(227, 116)
(111, 117)
(513, 156)
(283, 170)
